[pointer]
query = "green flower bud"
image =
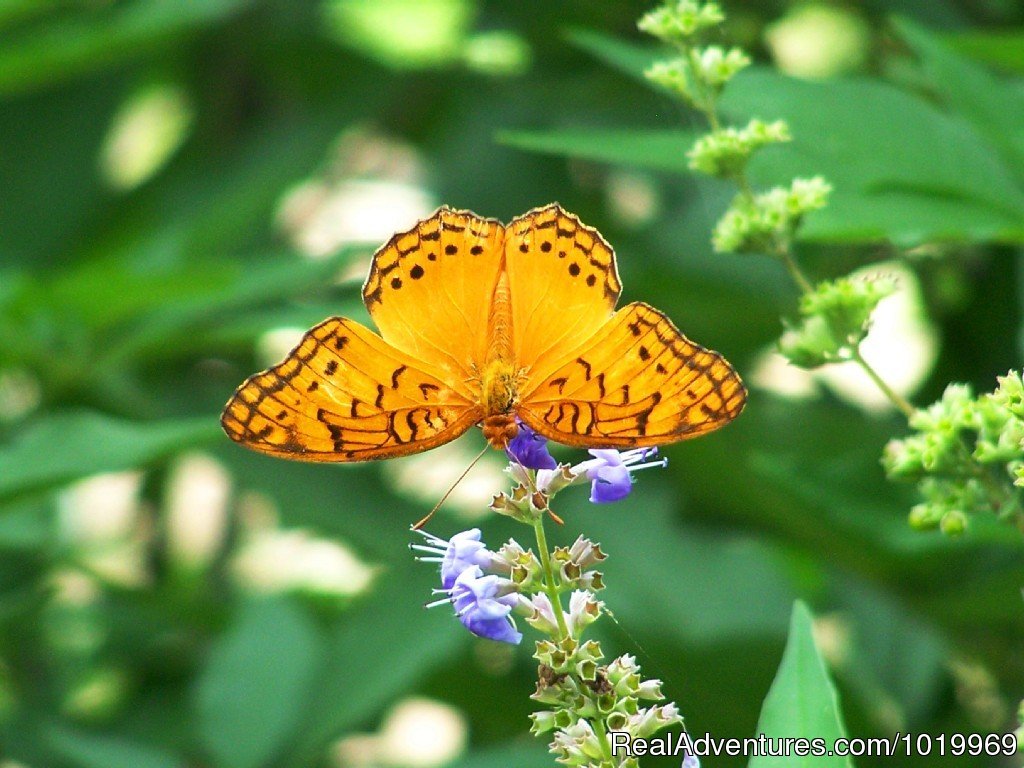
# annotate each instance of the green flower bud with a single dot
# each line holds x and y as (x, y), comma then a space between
(617, 721)
(953, 413)
(592, 581)
(834, 319)
(953, 523)
(725, 152)
(650, 690)
(628, 685)
(590, 650)
(674, 75)
(651, 720)
(766, 222)
(522, 566)
(562, 478)
(577, 745)
(586, 670)
(1010, 393)
(584, 552)
(549, 655)
(518, 505)
(621, 668)
(607, 703)
(715, 66)
(584, 610)
(542, 722)
(675, 22)
(924, 517)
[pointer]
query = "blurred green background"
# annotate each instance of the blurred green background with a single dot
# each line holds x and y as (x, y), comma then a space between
(185, 186)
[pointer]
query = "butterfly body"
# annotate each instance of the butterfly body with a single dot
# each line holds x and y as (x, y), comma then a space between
(484, 323)
(500, 378)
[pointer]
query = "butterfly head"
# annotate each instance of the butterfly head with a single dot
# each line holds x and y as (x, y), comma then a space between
(500, 429)
(499, 395)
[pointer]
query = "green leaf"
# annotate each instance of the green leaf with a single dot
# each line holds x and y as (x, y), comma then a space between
(656, 149)
(58, 449)
(95, 41)
(728, 589)
(259, 283)
(255, 688)
(26, 527)
(89, 751)
(900, 168)
(895, 657)
(802, 701)
(1003, 48)
(630, 58)
(376, 652)
(994, 108)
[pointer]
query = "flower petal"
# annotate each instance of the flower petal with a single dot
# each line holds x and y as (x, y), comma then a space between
(530, 449)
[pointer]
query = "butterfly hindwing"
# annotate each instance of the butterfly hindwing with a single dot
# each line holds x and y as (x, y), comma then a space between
(344, 394)
(637, 382)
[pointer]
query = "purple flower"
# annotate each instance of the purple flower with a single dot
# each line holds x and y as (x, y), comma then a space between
(481, 607)
(463, 550)
(530, 449)
(482, 603)
(610, 471)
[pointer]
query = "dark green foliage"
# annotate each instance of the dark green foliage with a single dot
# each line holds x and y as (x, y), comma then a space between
(129, 315)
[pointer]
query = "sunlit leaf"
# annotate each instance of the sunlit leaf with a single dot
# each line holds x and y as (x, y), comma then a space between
(657, 150)
(802, 702)
(994, 108)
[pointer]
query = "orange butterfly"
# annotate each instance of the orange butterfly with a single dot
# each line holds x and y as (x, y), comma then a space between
(482, 323)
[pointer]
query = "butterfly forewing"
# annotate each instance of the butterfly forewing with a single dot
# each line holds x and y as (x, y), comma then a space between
(563, 281)
(344, 394)
(637, 382)
(430, 289)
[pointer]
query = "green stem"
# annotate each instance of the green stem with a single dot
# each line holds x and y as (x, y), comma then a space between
(550, 587)
(894, 397)
(602, 736)
(551, 590)
(794, 269)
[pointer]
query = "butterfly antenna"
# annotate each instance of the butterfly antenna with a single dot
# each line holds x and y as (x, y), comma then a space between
(627, 633)
(448, 493)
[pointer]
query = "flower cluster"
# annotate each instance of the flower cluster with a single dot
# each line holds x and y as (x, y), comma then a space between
(679, 21)
(483, 586)
(965, 449)
(766, 222)
(585, 699)
(725, 152)
(967, 455)
(609, 472)
(834, 319)
(762, 222)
